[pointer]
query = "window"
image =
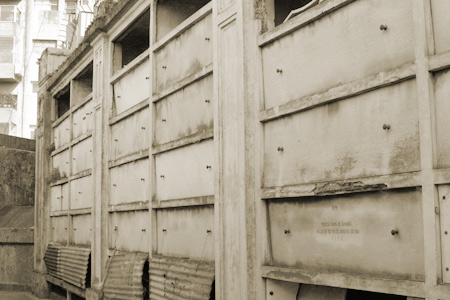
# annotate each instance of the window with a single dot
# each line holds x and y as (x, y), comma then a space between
(62, 101)
(134, 41)
(286, 9)
(6, 49)
(7, 13)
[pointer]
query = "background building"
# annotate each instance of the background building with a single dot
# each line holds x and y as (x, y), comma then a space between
(26, 29)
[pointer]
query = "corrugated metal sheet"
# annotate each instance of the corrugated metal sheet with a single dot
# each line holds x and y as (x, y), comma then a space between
(70, 264)
(180, 278)
(124, 277)
(51, 258)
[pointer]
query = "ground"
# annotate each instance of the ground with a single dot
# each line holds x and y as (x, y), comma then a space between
(6, 295)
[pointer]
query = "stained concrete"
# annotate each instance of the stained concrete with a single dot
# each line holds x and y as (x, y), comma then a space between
(4, 295)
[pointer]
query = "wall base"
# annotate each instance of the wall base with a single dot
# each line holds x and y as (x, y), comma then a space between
(93, 294)
(39, 285)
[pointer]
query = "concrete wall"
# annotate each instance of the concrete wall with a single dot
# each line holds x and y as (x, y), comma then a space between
(16, 212)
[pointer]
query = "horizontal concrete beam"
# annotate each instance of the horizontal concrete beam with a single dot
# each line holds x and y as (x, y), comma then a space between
(16, 235)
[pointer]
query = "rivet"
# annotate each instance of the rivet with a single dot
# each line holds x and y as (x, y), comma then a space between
(67, 128)
(208, 167)
(74, 123)
(207, 101)
(74, 229)
(162, 176)
(383, 27)
(114, 184)
(446, 232)
(147, 78)
(386, 126)
(271, 293)
(279, 71)
(142, 179)
(394, 232)
(286, 231)
(163, 120)
(206, 38)
(446, 269)
(116, 140)
(143, 128)
(164, 67)
(443, 197)
(79, 193)
(84, 118)
(73, 158)
(280, 149)
(164, 230)
(143, 229)
(116, 228)
(208, 231)
(118, 97)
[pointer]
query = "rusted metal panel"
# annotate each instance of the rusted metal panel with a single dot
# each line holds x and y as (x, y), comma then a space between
(180, 278)
(124, 276)
(70, 264)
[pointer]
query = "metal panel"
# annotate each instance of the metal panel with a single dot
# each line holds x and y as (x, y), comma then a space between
(129, 183)
(281, 290)
(61, 134)
(82, 192)
(52, 258)
(124, 276)
(131, 89)
(444, 204)
(83, 120)
(342, 47)
(371, 234)
(441, 23)
(442, 103)
(82, 156)
(61, 162)
(185, 55)
(59, 229)
(129, 231)
(81, 226)
(74, 264)
(180, 278)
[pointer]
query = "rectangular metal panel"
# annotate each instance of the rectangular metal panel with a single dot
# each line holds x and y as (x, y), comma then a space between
(442, 104)
(62, 163)
(441, 22)
(130, 135)
(371, 234)
(342, 47)
(129, 231)
(81, 227)
(281, 290)
(65, 196)
(345, 139)
(82, 192)
(185, 55)
(184, 113)
(60, 226)
(130, 183)
(82, 156)
(55, 198)
(444, 205)
(83, 120)
(186, 232)
(61, 133)
(185, 172)
(132, 88)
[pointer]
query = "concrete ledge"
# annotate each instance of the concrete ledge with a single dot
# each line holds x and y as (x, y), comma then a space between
(17, 143)
(16, 236)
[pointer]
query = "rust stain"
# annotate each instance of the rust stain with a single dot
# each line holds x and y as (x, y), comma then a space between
(351, 186)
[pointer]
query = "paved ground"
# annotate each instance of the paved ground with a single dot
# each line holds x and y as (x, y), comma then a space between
(4, 295)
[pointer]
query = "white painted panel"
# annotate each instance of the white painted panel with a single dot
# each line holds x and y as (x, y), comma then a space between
(130, 135)
(351, 234)
(61, 133)
(82, 156)
(281, 290)
(62, 163)
(129, 231)
(133, 88)
(185, 55)
(83, 120)
(444, 205)
(82, 192)
(65, 197)
(185, 172)
(441, 24)
(345, 139)
(185, 232)
(130, 183)
(82, 232)
(184, 113)
(342, 47)
(442, 104)
(55, 198)
(60, 227)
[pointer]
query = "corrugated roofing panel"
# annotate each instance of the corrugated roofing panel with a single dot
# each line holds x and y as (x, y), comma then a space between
(180, 278)
(70, 264)
(124, 276)
(74, 264)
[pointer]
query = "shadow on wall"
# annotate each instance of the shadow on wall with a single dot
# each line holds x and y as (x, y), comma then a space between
(16, 212)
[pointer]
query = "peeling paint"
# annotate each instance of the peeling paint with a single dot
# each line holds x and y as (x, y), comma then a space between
(339, 187)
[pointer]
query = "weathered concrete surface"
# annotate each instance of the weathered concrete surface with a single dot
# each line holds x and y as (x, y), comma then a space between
(16, 214)
(6, 295)
(17, 176)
